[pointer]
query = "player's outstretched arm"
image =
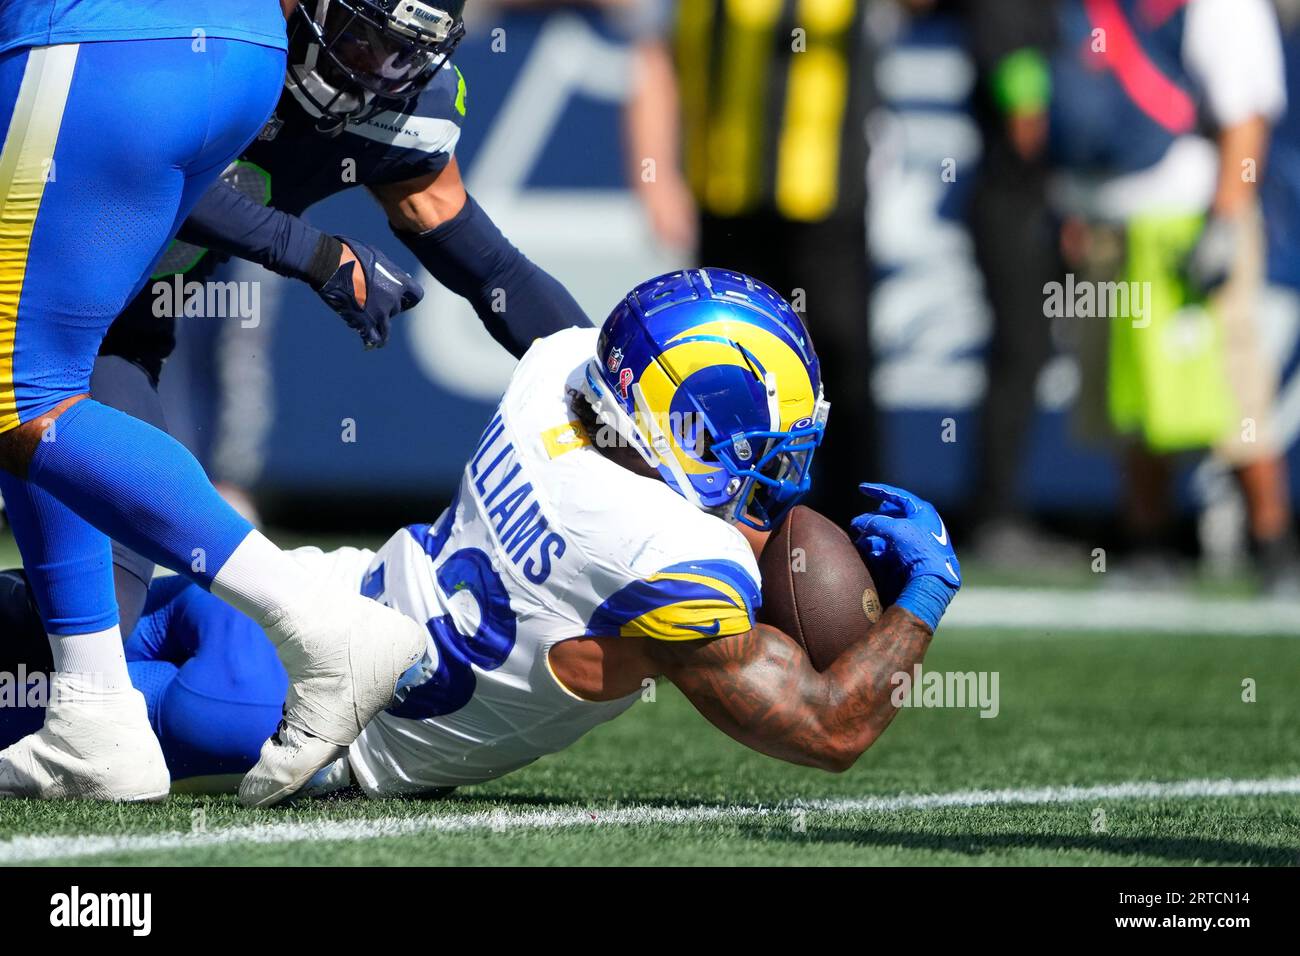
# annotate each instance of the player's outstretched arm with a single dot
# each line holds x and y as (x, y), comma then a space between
(355, 279)
(233, 224)
(760, 688)
(463, 249)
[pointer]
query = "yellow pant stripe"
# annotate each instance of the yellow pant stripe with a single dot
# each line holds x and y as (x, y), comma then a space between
(26, 164)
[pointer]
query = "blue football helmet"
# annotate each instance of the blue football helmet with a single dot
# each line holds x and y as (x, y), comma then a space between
(712, 378)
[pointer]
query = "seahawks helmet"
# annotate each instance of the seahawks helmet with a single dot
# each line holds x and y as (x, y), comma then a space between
(712, 378)
(350, 58)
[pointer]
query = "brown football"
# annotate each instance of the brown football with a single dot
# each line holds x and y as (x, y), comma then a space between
(815, 586)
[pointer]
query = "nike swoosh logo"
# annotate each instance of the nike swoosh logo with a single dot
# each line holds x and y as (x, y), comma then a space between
(710, 631)
(955, 577)
(379, 267)
(942, 537)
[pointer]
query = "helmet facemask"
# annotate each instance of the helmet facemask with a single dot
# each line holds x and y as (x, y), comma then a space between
(774, 469)
(351, 58)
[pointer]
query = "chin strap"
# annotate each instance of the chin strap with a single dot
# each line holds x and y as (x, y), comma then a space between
(611, 415)
(310, 91)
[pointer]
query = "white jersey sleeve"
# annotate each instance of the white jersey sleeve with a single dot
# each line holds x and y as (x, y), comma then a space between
(682, 583)
(342, 568)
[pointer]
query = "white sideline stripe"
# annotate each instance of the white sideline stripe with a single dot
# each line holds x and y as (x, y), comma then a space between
(1061, 610)
(32, 849)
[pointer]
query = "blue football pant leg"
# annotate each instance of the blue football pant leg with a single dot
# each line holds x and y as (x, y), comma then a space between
(67, 582)
(69, 564)
(225, 696)
(108, 147)
(85, 216)
(126, 386)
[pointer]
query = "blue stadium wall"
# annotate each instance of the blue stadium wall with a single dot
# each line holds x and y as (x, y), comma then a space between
(542, 152)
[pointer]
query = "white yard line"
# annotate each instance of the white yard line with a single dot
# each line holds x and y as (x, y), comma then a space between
(1060, 611)
(34, 849)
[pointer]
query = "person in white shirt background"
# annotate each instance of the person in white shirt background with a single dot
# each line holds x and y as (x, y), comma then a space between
(1160, 123)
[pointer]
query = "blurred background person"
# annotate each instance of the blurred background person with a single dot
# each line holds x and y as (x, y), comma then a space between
(747, 140)
(1014, 233)
(1161, 114)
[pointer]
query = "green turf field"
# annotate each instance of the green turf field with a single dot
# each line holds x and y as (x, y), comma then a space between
(1174, 768)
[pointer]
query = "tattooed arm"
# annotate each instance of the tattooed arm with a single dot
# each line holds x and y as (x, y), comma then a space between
(760, 688)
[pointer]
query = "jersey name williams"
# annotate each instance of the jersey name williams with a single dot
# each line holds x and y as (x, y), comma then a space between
(511, 506)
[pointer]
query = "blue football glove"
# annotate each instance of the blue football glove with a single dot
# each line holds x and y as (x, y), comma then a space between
(908, 552)
(389, 292)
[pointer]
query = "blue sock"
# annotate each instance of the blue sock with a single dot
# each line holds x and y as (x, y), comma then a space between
(69, 564)
(139, 486)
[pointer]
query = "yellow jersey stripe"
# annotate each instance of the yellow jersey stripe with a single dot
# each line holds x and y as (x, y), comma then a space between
(722, 587)
(689, 621)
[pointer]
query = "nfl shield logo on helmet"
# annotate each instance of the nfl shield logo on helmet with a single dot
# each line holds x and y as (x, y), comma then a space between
(615, 360)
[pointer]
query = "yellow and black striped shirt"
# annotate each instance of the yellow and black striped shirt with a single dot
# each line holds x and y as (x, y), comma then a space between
(774, 97)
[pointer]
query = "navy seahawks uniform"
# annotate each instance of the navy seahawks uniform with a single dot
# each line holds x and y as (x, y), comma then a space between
(292, 165)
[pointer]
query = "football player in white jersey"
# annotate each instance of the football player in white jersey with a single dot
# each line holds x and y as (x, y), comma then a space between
(604, 534)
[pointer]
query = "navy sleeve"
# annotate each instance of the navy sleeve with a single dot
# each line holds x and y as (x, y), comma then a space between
(516, 301)
(226, 220)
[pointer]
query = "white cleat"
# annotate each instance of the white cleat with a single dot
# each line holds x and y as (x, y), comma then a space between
(94, 746)
(344, 660)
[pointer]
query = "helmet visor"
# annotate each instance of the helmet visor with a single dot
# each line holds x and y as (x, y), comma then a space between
(369, 47)
(376, 60)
